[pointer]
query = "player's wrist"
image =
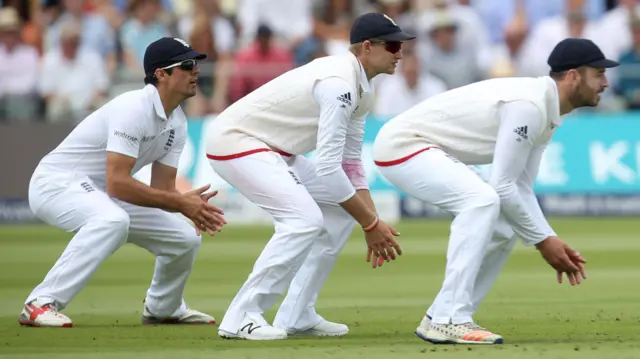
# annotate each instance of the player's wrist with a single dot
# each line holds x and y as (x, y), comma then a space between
(373, 224)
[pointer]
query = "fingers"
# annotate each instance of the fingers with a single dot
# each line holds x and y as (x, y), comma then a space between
(212, 208)
(201, 189)
(559, 275)
(396, 246)
(369, 253)
(394, 231)
(208, 196)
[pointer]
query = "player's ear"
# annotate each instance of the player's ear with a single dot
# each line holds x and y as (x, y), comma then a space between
(366, 46)
(160, 75)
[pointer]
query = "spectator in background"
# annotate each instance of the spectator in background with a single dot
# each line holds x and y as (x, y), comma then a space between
(291, 20)
(209, 32)
(406, 88)
(18, 71)
(550, 31)
(628, 82)
(444, 56)
(613, 34)
(471, 31)
(508, 59)
(96, 33)
(497, 14)
(141, 29)
(73, 79)
(260, 62)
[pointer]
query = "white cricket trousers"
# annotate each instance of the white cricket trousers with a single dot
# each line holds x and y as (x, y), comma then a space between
(480, 240)
(101, 225)
(310, 232)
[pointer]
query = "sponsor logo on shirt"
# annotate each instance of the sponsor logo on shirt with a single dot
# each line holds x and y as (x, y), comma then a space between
(124, 135)
(172, 135)
(346, 98)
(148, 138)
(522, 132)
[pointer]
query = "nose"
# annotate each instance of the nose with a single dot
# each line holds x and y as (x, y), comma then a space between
(398, 55)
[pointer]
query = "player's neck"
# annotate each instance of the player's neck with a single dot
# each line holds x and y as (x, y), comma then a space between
(563, 98)
(367, 69)
(169, 101)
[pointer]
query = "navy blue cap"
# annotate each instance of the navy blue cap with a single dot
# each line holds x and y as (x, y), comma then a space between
(168, 51)
(572, 53)
(379, 26)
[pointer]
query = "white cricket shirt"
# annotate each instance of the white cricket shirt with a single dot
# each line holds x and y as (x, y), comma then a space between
(133, 124)
(321, 106)
(505, 122)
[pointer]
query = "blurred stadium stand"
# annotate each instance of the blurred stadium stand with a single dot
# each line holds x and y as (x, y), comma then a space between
(60, 59)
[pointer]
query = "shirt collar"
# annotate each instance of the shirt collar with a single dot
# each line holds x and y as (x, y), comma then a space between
(557, 120)
(365, 85)
(157, 102)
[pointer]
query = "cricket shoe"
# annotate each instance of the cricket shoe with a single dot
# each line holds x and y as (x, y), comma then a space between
(36, 315)
(324, 329)
(467, 333)
(188, 316)
(423, 328)
(254, 327)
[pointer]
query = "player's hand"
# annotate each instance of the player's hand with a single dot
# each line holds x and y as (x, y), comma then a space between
(563, 259)
(381, 244)
(206, 217)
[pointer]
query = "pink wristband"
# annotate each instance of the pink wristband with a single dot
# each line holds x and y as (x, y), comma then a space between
(355, 172)
(372, 226)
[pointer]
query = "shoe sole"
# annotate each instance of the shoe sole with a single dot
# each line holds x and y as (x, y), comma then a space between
(156, 321)
(226, 335)
(443, 340)
(314, 333)
(28, 323)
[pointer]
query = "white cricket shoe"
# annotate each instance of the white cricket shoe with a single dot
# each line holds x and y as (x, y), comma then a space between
(467, 333)
(423, 328)
(324, 329)
(189, 316)
(255, 328)
(36, 315)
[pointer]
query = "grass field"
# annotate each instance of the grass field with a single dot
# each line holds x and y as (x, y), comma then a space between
(537, 317)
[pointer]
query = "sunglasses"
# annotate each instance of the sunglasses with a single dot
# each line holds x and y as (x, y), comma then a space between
(186, 65)
(391, 46)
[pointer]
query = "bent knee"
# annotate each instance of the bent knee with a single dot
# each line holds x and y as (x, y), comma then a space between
(310, 222)
(486, 198)
(116, 221)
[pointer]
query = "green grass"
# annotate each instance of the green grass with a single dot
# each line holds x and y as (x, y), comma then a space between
(537, 317)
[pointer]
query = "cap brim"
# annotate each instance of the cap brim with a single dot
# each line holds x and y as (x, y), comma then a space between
(397, 36)
(189, 55)
(606, 63)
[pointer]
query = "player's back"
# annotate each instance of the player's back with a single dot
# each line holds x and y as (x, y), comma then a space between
(283, 113)
(463, 121)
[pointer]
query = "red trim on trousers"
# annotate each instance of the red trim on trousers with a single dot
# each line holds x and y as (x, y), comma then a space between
(403, 159)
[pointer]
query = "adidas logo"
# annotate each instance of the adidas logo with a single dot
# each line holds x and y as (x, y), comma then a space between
(522, 132)
(346, 98)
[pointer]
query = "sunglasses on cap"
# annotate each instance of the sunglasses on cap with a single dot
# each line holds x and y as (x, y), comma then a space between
(391, 46)
(186, 65)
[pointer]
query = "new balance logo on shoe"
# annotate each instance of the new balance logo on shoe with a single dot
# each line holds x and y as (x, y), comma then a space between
(522, 132)
(346, 98)
(250, 328)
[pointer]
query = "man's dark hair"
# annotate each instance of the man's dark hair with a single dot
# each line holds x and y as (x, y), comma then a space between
(153, 80)
(559, 75)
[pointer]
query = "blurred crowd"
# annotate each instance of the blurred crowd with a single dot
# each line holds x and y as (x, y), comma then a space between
(61, 59)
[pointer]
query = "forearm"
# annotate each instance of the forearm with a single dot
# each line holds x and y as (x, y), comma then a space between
(130, 190)
(518, 212)
(365, 194)
(361, 208)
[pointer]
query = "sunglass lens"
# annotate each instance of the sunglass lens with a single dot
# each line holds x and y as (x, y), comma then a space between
(393, 47)
(188, 65)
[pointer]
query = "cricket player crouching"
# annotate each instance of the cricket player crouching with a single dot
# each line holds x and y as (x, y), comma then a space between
(258, 145)
(508, 122)
(85, 186)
